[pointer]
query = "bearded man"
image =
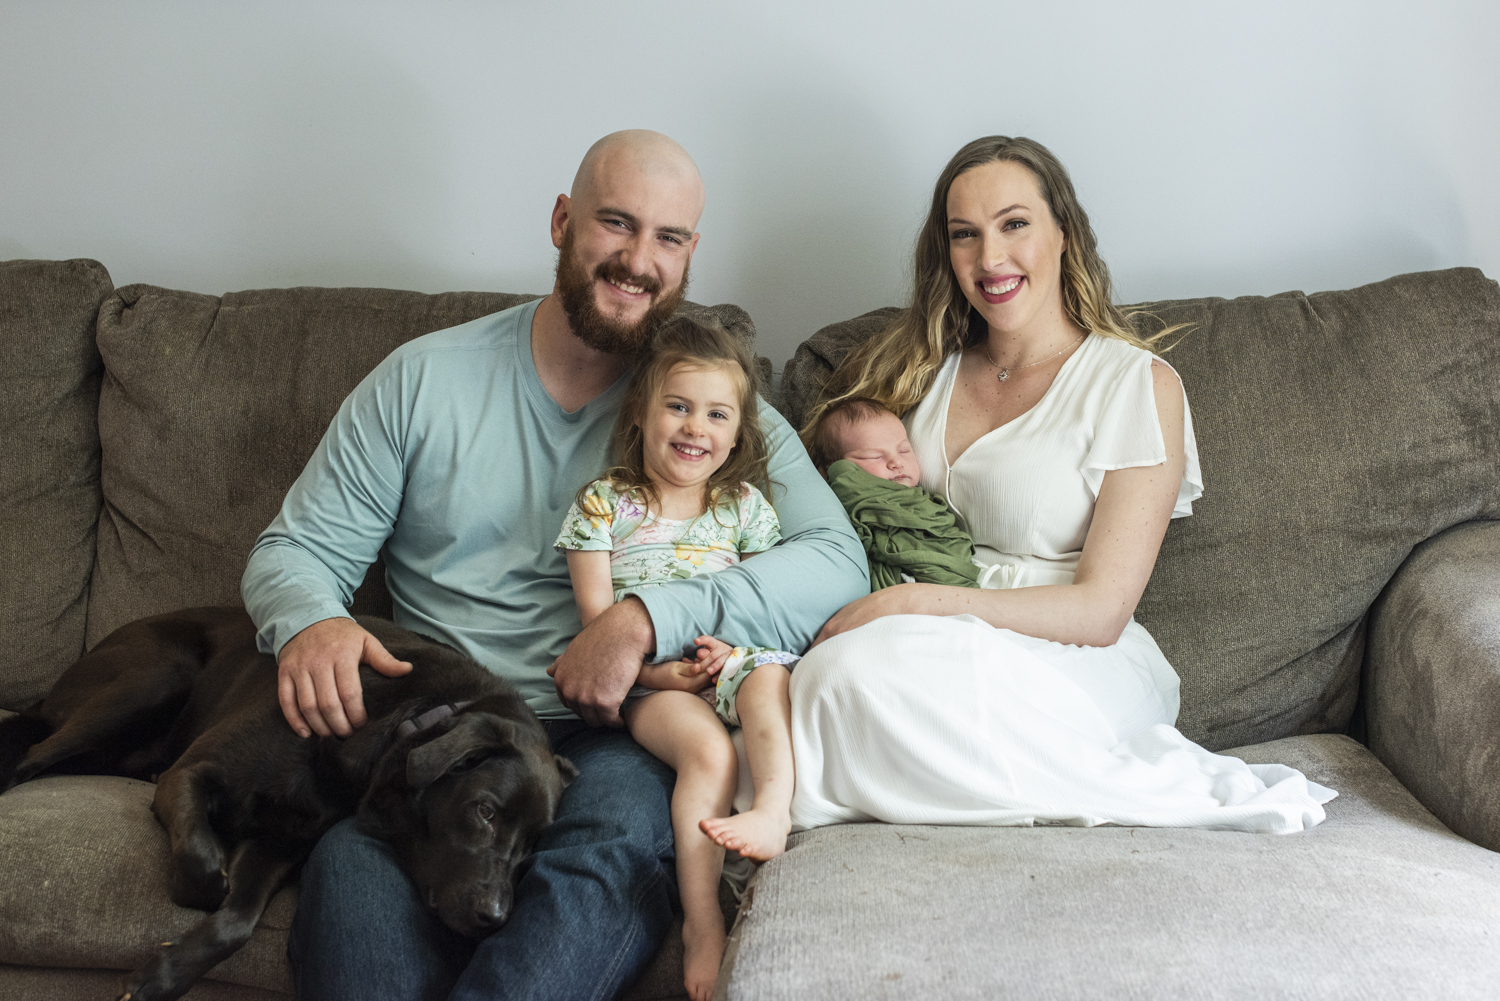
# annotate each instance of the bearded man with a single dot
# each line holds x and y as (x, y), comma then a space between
(459, 454)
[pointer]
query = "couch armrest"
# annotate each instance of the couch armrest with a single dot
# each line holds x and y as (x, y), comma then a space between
(1432, 678)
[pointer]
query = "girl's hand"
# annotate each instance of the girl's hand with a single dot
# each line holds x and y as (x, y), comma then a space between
(675, 675)
(712, 653)
(901, 599)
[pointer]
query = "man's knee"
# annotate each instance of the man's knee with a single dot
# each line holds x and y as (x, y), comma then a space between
(349, 870)
(615, 819)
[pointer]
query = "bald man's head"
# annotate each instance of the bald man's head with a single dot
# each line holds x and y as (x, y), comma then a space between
(642, 151)
(626, 234)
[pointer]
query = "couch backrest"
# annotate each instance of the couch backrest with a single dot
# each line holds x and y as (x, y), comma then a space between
(49, 467)
(1336, 431)
(209, 410)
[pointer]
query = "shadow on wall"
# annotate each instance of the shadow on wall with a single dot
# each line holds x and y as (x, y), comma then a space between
(11, 250)
(823, 221)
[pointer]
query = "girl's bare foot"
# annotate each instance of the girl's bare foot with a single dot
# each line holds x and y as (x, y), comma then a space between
(702, 952)
(759, 834)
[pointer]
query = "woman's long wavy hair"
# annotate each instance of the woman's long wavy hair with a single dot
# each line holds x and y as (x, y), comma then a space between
(898, 365)
(683, 341)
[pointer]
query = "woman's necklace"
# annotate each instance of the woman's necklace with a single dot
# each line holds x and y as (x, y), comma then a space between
(1005, 371)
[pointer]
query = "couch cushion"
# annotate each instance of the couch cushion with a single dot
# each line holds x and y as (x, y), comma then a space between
(210, 409)
(35, 984)
(815, 359)
(1378, 902)
(84, 884)
(1336, 431)
(49, 467)
(1431, 684)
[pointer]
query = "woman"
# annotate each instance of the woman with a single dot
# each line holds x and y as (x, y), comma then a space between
(1066, 448)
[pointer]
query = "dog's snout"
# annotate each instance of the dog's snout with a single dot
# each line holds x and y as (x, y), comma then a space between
(489, 915)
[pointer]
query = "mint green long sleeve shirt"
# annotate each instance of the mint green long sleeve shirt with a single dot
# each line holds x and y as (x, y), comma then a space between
(452, 457)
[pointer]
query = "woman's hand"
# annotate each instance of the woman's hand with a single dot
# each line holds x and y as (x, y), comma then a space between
(901, 599)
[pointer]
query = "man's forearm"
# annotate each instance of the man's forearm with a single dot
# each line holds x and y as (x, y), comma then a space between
(305, 566)
(782, 597)
(286, 589)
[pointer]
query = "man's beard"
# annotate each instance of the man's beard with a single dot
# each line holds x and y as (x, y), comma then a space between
(575, 290)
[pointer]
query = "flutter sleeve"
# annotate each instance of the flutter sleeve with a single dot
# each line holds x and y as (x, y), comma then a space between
(587, 526)
(1127, 434)
(759, 527)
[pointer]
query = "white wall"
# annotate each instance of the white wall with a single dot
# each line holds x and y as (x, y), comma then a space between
(1221, 149)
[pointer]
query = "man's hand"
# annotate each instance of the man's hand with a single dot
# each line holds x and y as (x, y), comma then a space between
(595, 672)
(318, 678)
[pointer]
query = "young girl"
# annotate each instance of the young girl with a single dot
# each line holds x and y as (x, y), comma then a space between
(684, 500)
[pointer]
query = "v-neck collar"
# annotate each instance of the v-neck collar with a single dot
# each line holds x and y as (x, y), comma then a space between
(947, 402)
(532, 379)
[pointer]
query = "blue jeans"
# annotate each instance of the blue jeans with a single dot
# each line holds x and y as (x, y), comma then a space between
(592, 905)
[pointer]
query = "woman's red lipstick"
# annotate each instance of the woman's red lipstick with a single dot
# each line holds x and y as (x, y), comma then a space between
(1000, 280)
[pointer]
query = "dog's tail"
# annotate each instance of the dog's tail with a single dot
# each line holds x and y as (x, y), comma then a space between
(17, 734)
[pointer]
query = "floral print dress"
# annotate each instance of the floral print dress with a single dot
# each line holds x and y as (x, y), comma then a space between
(647, 551)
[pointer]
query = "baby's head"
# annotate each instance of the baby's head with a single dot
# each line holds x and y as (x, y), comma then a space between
(867, 434)
(690, 414)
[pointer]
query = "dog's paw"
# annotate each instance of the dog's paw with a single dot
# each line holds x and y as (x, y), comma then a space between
(161, 979)
(138, 988)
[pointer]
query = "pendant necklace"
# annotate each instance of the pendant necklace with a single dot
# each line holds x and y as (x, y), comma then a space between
(1005, 370)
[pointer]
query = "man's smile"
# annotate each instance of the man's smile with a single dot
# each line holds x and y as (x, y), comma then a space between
(626, 287)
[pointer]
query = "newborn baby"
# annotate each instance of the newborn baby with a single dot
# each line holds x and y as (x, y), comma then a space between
(909, 535)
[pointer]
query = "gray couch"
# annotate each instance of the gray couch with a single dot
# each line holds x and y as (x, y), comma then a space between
(1334, 604)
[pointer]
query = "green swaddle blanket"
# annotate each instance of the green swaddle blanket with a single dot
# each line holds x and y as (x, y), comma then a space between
(903, 529)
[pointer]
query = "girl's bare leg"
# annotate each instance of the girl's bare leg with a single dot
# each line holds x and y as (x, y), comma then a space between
(681, 730)
(765, 711)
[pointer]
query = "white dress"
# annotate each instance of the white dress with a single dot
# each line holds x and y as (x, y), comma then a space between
(927, 719)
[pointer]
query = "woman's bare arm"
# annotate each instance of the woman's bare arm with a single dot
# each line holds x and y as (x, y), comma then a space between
(1130, 520)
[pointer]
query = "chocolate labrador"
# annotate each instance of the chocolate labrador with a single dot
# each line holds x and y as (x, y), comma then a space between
(452, 769)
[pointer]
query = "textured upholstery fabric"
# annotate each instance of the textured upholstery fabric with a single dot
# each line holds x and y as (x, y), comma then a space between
(1379, 902)
(815, 359)
(49, 467)
(209, 410)
(21, 982)
(1336, 431)
(84, 884)
(1432, 681)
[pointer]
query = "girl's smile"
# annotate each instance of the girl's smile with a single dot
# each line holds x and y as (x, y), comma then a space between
(688, 434)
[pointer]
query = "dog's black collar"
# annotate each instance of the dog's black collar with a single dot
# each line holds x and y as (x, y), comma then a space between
(417, 724)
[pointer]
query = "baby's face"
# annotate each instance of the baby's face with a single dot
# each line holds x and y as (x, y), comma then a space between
(879, 445)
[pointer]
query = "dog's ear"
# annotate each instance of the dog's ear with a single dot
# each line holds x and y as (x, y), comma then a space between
(472, 738)
(567, 769)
